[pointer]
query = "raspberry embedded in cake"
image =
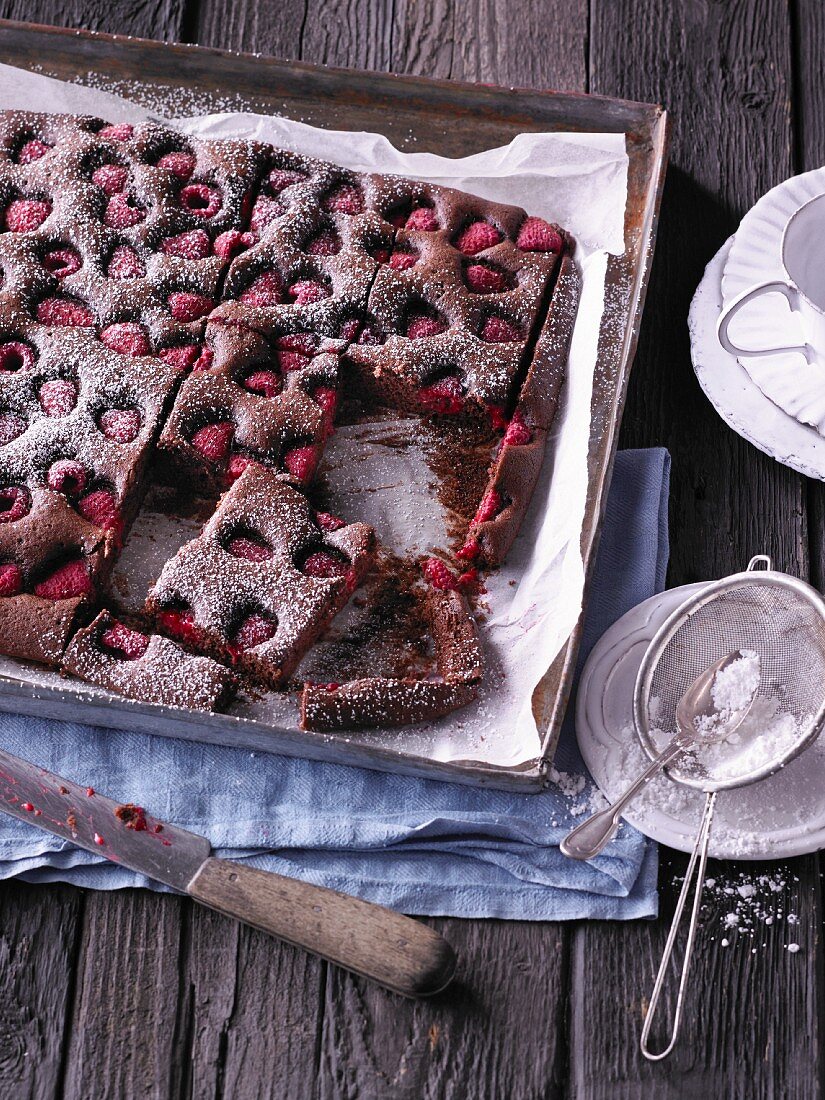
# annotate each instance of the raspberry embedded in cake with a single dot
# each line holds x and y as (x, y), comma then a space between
(11, 580)
(57, 396)
(66, 581)
(253, 630)
(62, 262)
(15, 502)
(324, 243)
(325, 563)
(26, 215)
(16, 355)
(249, 546)
(476, 237)
(200, 199)
(265, 211)
(328, 522)
(347, 198)
(518, 434)
(300, 462)
(123, 211)
(125, 263)
(421, 325)
(307, 291)
(264, 383)
(180, 164)
(186, 305)
(110, 178)
(232, 243)
(124, 643)
(213, 441)
(118, 131)
(280, 178)
(444, 397)
(402, 259)
(99, 507)
(127, 338)
(32, 150)
(120, 424)
(64, 312)
(11, 427)
(185, 357)
(439, 575)
(537, 235)
(486, 279)
(193, 245)
(67, 476)
(422, 218)
(490, 506)
(266, 290)
(498, 330)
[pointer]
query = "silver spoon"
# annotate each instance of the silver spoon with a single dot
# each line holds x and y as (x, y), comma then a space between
(698, 719)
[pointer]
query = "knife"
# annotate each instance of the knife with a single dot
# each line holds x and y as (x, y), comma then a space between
(395, 951)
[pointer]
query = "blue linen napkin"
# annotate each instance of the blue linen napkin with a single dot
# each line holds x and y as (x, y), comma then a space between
(420, 846)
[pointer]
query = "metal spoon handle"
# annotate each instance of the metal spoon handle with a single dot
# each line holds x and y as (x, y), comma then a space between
(593, 835)
(700, 854)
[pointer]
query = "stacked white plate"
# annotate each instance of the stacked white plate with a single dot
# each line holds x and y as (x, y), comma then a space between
(777, 402)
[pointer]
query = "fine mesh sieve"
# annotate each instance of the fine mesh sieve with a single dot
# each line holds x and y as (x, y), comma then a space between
(780, 618)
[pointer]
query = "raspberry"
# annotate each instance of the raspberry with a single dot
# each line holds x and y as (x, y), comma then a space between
(517, 434)
(265, 212)
(266, 290)
(498, 420)
(498, 331)
(490, 506)
(446, 396)
(122, 212)
(328, 522)
(420, 326)
(249, 548)
(26, 215)
(185, 305)
(194, 245)
(322, 563)
(200, 200)
(485, 280)
(181, 165)
(302, 342)
(253, 630)
(232, 242)
(476, 237)
(214, 440)
(401, 260)
(424, 219)
(64, 312)
(125, 643)
(325, 243)
(11, 427)
(57, 397)
(263, 382)
(300, 462)
(61, 262)
(237, 464)
(121, 425)
(346, 199)
(14, 356)
(291, 360)
(11, 580)
(32, 150)
(439, 576)
(127, 337)
(180, 624)
(307, 291)
(15, 502)
(110, 178)
(67, 581)
(470, 550)
(326, 397)
(125, 264)
(99, 508)
(281, 178)
(119, 131)
(188, 357)
(537, 235)
(67, 476)
(370, 334)
(469, 581)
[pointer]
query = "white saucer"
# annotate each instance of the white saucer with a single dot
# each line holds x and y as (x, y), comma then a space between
(779, 817)
(735, 395)
(796, 386)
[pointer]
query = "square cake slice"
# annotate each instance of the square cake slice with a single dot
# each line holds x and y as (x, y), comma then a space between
(147, 667)
(263, 580)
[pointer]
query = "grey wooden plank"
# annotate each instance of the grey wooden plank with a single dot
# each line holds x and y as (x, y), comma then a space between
(39, 935)
(161, 19)
(724, 72)
(122, 1041)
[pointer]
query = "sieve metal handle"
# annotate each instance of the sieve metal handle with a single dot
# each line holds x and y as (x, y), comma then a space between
(698, 855)
(593, 835)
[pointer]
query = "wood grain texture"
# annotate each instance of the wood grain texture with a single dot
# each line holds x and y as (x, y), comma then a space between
(162, 19)
(39, 933)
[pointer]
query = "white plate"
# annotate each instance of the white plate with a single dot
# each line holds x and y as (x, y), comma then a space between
(796, 386)
(735, 395)
(779, 817)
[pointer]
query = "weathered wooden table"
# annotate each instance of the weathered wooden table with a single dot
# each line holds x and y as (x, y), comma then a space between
(135, 995)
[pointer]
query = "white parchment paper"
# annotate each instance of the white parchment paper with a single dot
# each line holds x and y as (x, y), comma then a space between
(577, 180)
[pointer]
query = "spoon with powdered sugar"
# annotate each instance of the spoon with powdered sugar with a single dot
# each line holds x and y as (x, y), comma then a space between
(710, 711)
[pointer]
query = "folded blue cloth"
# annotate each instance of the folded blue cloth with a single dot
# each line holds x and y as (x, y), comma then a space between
(420, 846)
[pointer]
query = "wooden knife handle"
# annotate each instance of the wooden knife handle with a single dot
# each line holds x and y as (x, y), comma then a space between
(395, 951)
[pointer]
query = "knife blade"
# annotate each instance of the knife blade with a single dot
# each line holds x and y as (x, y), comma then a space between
(386, 947)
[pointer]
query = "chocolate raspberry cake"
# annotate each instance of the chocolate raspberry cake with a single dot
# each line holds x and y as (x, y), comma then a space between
(209, 305)
(148, 667)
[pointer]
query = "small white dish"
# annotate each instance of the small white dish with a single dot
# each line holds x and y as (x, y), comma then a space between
(776, 257)
(732, 391)
(776, 818)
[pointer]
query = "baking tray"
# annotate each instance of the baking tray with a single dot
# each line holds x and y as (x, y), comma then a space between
(449, 118)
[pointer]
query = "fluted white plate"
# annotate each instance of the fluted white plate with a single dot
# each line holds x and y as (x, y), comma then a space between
(732, 391)
(779, 817)
(796, 386)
